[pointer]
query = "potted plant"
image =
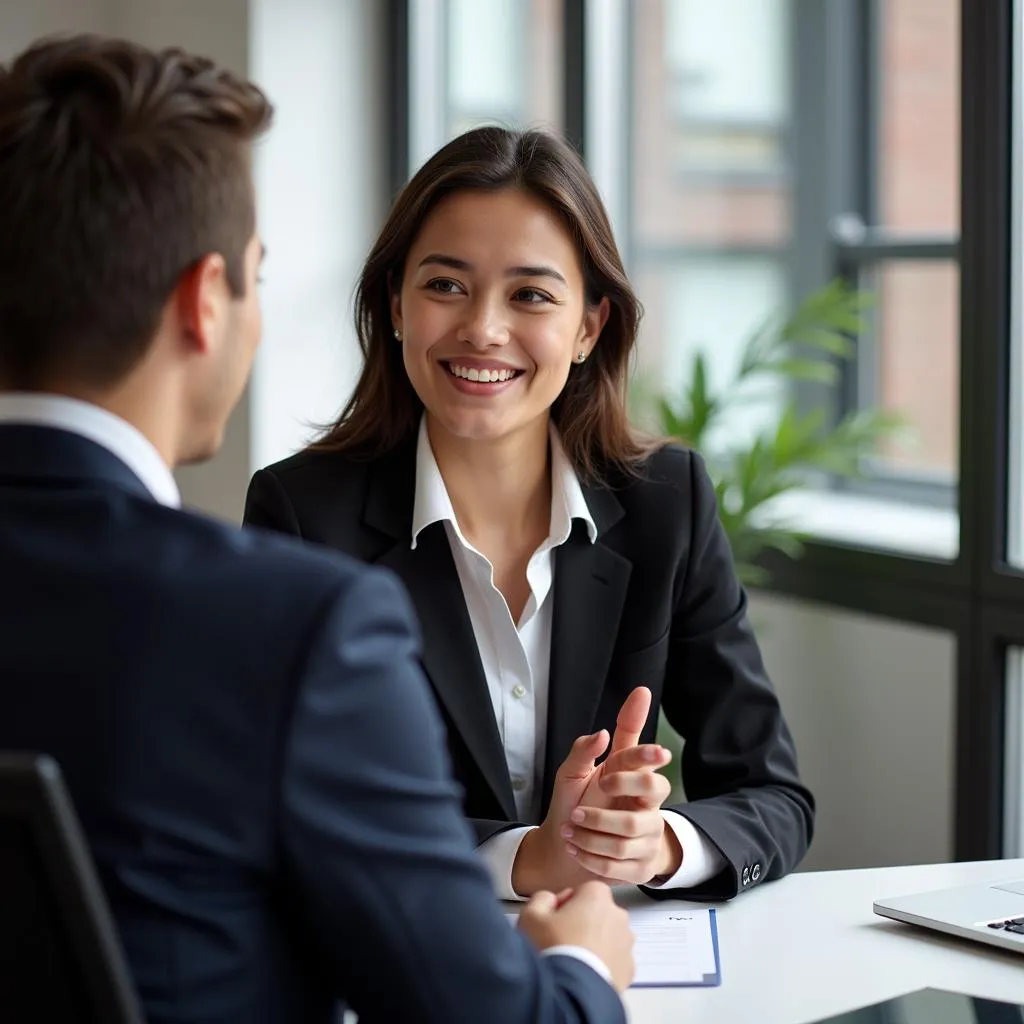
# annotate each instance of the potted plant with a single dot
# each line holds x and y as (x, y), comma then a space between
(807, 345)
(798, 444)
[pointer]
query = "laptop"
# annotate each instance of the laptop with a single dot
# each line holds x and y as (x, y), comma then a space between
(986, 913)
(933, 1006)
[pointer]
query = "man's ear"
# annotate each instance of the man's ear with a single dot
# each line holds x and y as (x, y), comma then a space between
(201, 297)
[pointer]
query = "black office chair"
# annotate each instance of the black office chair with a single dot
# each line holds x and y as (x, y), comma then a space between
(60, 956)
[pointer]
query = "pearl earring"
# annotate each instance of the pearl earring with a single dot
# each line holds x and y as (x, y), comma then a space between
(398, 334)
(580, 356)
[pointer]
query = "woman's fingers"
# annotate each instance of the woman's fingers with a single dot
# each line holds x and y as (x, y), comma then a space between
(648, 756)
(650, 787)
(618, 835)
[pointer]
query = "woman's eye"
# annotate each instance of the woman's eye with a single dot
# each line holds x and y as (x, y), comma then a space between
(532, 296)
(443, 286)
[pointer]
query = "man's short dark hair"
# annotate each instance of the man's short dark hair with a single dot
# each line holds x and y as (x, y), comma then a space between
(120, 168)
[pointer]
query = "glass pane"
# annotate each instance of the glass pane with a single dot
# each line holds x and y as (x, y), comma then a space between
(724, 183)
(910, 364)
(918, 116)
(728, 104)
(708, 223)
(711, 304)
(482, 61)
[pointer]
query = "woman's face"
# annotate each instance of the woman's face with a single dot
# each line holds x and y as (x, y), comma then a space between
(492, 314)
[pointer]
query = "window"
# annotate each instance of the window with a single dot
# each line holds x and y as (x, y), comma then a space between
(897, 234)
(703, 181)
(481, 61)
(728, 104)
(910, 364)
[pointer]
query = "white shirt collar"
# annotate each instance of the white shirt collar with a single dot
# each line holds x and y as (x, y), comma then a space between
(119, 437)
(432, 503)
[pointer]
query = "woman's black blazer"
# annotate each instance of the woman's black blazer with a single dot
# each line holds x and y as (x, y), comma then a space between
(655, 601)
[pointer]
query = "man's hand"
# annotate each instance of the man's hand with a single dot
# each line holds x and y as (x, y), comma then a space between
(586, 917)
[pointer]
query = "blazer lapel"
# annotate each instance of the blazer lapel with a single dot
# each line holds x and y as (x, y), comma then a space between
(451, 656)
(589, 591)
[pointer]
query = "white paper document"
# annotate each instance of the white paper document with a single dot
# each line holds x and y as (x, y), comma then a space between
(675, 945)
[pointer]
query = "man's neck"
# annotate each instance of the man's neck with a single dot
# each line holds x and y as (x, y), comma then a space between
(138, 406)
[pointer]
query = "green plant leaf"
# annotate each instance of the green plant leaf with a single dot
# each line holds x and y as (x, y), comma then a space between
(795, 368)
(808, 345)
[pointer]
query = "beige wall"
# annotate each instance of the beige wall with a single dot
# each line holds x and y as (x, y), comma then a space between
(871, 705)
(23, 22)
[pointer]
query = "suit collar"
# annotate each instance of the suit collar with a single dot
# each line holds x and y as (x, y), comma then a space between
(450, 655)
(391, 495)
(32, 455)
(591, 582)
(391, 487)
(101, 427)
(590, 585)
(432, 504)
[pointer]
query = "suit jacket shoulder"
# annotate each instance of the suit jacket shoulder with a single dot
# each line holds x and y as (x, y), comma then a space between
(667, 475)
(666, 508)
(312, 476)
(356, 505)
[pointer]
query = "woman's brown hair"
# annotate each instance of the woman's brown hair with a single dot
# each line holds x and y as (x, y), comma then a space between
(590, 413)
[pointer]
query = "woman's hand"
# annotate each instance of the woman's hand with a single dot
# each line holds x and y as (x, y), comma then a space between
(622, 836)
(542, 861)
(618, 832)
(627, 841)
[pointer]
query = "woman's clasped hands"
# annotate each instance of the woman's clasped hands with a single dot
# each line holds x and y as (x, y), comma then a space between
(605, 820)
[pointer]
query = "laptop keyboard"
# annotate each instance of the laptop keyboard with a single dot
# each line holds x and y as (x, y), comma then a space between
(1009, 924)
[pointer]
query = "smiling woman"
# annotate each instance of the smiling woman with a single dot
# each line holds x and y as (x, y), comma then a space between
(571, 576)
(527, 210)
(492, 314)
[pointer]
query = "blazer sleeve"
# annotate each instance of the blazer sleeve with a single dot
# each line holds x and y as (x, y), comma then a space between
(739, 763)
(375, 854)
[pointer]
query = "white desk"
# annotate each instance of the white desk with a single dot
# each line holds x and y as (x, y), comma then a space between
(809, 946)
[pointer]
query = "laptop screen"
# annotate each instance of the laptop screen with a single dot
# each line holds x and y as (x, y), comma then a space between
(931, 1006)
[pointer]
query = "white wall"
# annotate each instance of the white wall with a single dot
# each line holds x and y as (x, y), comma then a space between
(212, 28)
(871, 704)
(322, 182)
(23, 21)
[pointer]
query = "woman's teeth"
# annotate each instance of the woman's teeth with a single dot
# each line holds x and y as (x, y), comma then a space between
(483, 376)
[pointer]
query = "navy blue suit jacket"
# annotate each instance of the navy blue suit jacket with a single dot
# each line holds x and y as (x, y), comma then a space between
(256, 761)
